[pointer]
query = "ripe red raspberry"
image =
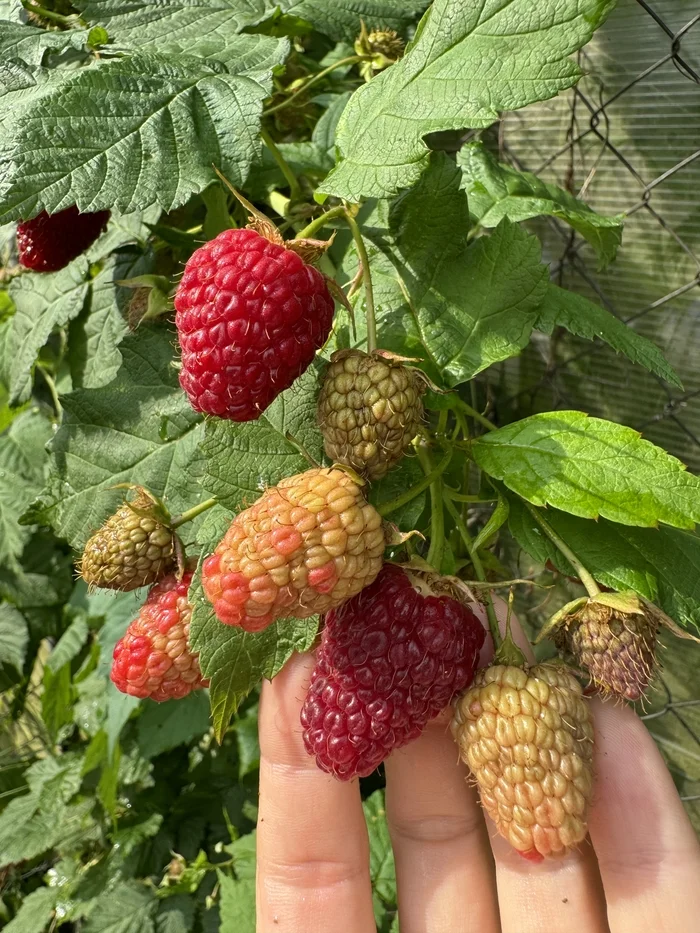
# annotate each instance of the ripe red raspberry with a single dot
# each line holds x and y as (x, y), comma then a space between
(153, 658)
(390, 660)
(304, 547)
(250, 316)
(49, 242)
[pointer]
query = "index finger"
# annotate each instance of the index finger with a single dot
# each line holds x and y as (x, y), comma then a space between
(312, 847)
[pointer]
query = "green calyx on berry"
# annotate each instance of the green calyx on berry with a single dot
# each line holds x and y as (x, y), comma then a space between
(379, 48)
(135, 547)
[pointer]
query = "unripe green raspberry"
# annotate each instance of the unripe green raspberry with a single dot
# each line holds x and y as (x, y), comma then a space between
(134, 548)
(369, 410)
(527, 736)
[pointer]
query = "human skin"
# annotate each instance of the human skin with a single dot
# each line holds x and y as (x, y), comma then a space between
(638, 871)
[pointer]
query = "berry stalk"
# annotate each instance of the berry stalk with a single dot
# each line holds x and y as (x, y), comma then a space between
(193, 512)
(367, 281)
(585, 577)
(478, 570)
(319, 222)
(291, 179)
(350, 60)
(388, 507)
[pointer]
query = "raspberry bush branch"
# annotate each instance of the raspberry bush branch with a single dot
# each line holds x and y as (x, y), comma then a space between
(251, 415)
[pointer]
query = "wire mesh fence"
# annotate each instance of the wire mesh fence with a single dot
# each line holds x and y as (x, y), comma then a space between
(626, 140)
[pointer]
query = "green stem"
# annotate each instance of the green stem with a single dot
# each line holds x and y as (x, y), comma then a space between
(585, 577)
(319, 222)
(193, 512)
(437, 513)
(350, 60)
(478, 570)
(47, 14)
(476, 415)
(294, 189)
(366, 281)
(388, 507)
(463, 497)
(52, 390)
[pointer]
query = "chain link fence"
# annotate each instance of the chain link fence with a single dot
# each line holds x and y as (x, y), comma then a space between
(626, 141)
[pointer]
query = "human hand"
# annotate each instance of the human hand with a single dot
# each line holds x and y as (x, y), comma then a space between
(638, 872)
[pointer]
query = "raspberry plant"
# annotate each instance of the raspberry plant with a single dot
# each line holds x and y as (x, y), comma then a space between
(329, 128)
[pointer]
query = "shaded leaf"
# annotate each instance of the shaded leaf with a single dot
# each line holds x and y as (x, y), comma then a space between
(14, 637)
(662, 564)
(22, 465)
(130, 908)
(496, 191)
(562, 308)
(43, 301)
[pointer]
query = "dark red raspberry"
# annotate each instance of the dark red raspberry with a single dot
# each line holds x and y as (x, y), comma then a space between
(390, 659)
(251, 314)
(49, 242)
(153, 658)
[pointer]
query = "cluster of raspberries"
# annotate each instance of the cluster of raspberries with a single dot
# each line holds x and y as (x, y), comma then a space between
(398, 644)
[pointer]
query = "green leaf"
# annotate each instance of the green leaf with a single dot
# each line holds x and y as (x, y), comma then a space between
(323, 135)
(236, 661)
(247, 744)
(237, 905)
(22, 465)
(458, 308)
(31, 44)
(95, 336)
(14, 637)
(496, 191)
(163, 726)
(11, 10)
(129, 908)
(562, 308)
(171, 27)
(175, 915)
(56, 706)
(140, 429)
(43, 301)
(342, 19)
(591, 468)
(662, 564)
(398, 481)
(467, 62)
(243, 458)
(131, 132)
(35, 913)
(382, 870)
(69, 645)
(41, 819)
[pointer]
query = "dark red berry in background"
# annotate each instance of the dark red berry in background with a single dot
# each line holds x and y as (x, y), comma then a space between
(153, 658)
(49, 242)
(390, 660)
(251, 314)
